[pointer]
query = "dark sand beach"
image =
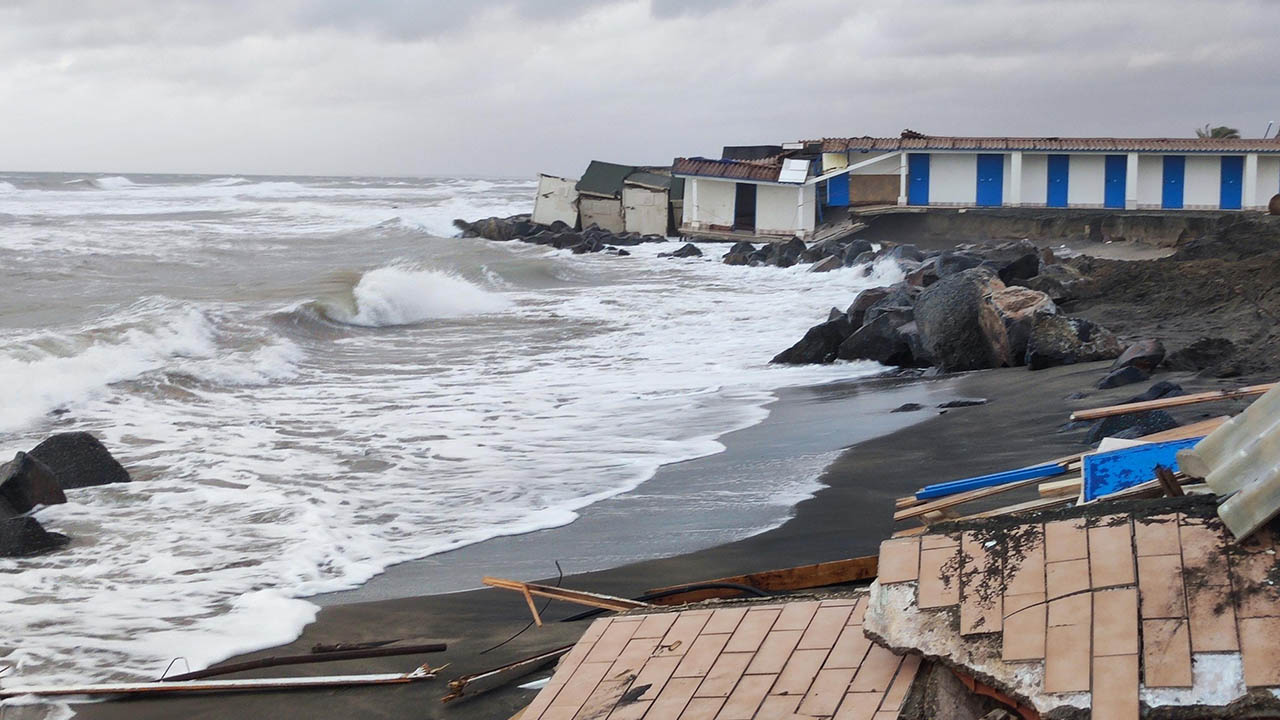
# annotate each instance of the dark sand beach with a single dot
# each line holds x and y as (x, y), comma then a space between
(1022, 424)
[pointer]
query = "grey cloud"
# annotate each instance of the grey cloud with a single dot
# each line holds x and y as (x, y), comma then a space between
(512, 87)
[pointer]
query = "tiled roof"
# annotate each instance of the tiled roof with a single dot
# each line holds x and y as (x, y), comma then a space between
(1054, 144)
(800, 659)
(765, 169)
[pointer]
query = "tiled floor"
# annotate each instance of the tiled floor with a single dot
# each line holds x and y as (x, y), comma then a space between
(1108, 605)
(769, 662)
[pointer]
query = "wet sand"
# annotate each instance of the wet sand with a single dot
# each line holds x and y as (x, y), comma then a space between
(848, 517)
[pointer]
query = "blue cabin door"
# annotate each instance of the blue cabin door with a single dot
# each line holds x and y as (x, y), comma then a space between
(1117, 170)
(838, 191)
(1232, 177)
(918, 179)
(1175, 167)
(990, 180)
(1059, 170)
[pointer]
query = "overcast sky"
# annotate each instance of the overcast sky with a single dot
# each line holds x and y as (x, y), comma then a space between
(513, 87)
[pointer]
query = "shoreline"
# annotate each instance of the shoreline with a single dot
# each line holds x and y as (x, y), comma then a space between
(685, 506)
(847, 517)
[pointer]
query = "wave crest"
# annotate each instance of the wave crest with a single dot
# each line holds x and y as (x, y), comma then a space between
(398, 295)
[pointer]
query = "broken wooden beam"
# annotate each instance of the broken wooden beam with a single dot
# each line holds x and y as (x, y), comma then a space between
(423, 672)
(308, 659)
(484, 681)
(1169, 402)
(803, 577)
(579, 597)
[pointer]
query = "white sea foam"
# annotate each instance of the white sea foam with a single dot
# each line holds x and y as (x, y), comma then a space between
(114, 182)
(405, 296)
(41, 373)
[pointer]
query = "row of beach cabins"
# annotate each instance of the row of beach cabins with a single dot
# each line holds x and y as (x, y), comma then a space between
(797, 189)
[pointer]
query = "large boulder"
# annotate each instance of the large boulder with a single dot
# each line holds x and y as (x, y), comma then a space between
(1146, 355)
(1063, 340)
(950, 263)
(1119, 377)
(819, 345)
(879, 340)
(22, 536)
(901, 299)
(26, 483)
(1061, 282)
(79, 460)
(1273, 205)
(1018, 307)
(688, 250)
(827, 264)
(864, 300)
(959, 324)
(1012, 261)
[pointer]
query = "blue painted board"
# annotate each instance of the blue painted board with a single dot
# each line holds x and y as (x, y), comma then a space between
(1232, 182)
(1059, 172)
(957, 486)
(838, 191)
(1117, 172)
(918, 179)
(990, 180)
(1116, 470)
(1175, 167)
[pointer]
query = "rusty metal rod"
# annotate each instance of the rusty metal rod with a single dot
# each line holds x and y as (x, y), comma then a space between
(308, 659)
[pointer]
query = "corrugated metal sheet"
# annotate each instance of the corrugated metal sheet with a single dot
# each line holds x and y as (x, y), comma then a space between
(653, 181)
(764, 170)
(604, 179)
(1055, 144)
(1241, 459)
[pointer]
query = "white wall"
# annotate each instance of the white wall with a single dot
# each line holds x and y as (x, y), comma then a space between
(1150, 180)
(644, 211)
(953, 178)
(557, 199)
(1202, 186)
(1268, 180)
(708, 202)
(604, 212)
(887, 166)
(1035, 179)
(776, 207)
(1086, 180)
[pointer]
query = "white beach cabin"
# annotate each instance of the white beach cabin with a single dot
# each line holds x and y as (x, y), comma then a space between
(1054, 172)
(557, 200)
(797, 190)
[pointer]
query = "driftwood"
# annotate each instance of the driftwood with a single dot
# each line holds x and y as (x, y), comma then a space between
(212, 686)
(321, 657)
(579, 597)
(482, 682)
(803, 577)
(1179, 401)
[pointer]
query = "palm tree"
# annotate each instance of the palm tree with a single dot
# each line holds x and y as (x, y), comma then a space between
(1217, 133)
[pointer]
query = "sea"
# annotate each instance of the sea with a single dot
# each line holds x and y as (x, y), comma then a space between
(311, 379)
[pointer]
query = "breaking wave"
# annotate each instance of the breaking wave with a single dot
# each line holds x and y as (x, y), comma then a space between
(399, 295)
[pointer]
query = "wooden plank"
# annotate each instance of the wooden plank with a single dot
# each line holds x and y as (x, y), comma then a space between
(1061, 488)
(1179, 401)
(579, 597)
(962, 498)
(803, 577)
(1029, 506)
(210, 686)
